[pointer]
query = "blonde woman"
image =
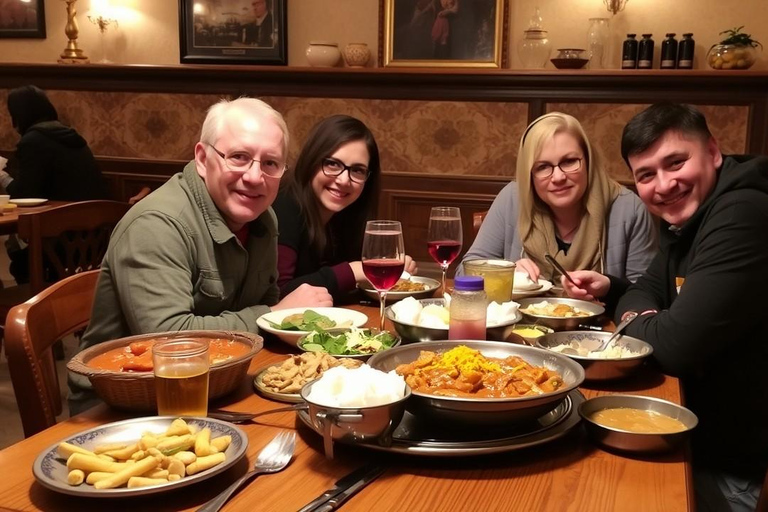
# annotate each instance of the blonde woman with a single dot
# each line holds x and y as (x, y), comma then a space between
(565, 205)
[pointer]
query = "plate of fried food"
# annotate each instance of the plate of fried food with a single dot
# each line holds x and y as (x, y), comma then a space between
(414, 286)
(140, 456)
(283, 381)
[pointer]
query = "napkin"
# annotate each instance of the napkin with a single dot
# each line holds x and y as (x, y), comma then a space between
(523, 282)
(407, 310)
(498, 314)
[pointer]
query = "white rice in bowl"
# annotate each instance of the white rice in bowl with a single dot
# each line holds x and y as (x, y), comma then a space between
(357, 387)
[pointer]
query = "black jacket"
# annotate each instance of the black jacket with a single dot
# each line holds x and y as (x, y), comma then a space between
(54, 162)
(713, 333)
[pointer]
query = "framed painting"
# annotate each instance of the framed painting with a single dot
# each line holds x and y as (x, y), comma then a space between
(443, 33)
(233, 32)
(22, 18)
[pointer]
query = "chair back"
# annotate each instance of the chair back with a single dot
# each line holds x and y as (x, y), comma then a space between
(68, 239)
(477, 221)
(30, 330)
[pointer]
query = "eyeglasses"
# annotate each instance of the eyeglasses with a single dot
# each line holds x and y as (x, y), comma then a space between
(241, 162)
(569, 165)
(357, 173)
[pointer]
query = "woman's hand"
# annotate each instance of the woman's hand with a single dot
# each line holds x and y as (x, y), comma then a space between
(410, 265)
(591, 285)
(529, 267)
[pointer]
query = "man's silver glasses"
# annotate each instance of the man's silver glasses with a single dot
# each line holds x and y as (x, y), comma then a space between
(544, 170)
(333, 167)
(241, 162)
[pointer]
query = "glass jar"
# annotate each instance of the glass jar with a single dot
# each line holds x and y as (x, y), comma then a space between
(499, 277)
(731, 56)
(629, 52)
(534, 48)
(469, 307)
(685, 52)
(597, 43)
(668, 52)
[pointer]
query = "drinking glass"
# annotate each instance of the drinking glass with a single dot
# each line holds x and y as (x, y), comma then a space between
(383, 257)
(445, 236)
(181, 377)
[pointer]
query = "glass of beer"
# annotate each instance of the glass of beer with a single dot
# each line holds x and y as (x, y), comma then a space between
(181, 377)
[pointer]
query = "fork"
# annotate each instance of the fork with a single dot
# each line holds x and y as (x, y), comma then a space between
(272, 458)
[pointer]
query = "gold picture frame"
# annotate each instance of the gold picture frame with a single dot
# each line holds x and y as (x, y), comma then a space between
(443, 33)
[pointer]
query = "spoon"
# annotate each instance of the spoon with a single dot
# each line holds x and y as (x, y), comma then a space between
(243, 417)
(628, 320)
(560, 268)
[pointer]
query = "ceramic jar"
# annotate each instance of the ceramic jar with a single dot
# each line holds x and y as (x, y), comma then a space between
(731, 56)
(323, 54)
(357, 55)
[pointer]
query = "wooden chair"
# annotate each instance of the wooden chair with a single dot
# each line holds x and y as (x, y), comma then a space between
(73, 237)
(30, 331)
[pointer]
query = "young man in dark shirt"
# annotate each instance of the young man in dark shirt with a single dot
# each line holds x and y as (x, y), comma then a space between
(702, 301)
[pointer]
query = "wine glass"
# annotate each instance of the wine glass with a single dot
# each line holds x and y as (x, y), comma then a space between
(383, 257)
(445, 236)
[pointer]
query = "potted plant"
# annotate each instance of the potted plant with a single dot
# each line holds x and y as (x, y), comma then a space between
(737, 51)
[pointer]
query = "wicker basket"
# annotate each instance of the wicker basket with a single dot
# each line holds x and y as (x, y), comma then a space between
(135, 391)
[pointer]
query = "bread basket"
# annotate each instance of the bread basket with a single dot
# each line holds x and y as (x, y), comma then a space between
(135, 391)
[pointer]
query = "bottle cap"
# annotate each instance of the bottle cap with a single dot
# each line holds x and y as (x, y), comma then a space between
(671, 34)
(632, 36)
(468, 283)
(689, 34)
(647, 35)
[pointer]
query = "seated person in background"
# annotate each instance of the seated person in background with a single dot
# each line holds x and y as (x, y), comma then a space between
(694, 300)
(200, 252)
(51, 161)
(323, 206)
(565, 205)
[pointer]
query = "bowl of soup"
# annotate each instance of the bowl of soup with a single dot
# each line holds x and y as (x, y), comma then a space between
(636, 424)
(121, 370)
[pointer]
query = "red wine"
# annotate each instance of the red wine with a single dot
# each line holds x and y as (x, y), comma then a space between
(444, 251)
(383, 273)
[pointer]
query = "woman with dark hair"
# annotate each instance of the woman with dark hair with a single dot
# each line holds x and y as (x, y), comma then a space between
(51, 161)
(323, 206)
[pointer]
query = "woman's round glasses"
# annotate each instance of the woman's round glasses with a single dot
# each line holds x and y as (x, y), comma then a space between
(544, 170)
(241, 162)
(357, 173)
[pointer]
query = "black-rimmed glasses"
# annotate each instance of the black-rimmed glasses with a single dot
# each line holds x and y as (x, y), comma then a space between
(569, 165)
(333, 167)
(241, 162)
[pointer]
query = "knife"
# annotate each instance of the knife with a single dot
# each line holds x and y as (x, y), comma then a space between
(344, 488)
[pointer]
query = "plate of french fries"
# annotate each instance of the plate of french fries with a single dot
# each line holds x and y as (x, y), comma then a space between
(140, 456)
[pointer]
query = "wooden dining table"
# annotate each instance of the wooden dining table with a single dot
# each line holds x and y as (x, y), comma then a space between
(567, 474)
(9, 217)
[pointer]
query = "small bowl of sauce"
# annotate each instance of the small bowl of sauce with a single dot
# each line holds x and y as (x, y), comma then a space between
(531, 332)
(636, 424)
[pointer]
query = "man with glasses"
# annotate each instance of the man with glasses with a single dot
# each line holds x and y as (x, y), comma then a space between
(201, 251)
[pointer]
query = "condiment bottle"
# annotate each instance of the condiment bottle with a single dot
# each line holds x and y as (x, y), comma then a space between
(685, 52)
(469, 306)
(645, 52)
(669, 52)
(629, 52)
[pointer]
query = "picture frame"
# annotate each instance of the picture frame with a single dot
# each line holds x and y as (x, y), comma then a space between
(233, 32)
(443, 33)
(20, 19)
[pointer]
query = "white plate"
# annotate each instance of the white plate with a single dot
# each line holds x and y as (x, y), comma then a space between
(545, 287)
(344, 317)
(429, 291)
(51, 471)
(31, 201)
